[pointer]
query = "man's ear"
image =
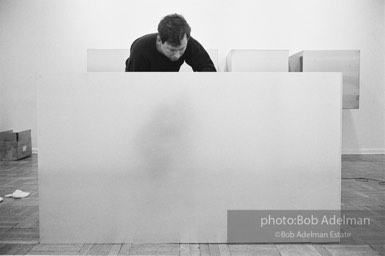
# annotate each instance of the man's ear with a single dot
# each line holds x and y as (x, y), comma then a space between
(158, 40)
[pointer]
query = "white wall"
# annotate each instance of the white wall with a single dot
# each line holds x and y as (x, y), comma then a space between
(53, 36)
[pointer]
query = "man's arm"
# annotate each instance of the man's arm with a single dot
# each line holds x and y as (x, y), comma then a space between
(198, 58)
(137, 64)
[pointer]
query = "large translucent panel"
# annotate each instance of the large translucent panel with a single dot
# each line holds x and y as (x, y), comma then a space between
(161, 157)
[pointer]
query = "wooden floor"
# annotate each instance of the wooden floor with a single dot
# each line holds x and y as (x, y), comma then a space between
(19, 222)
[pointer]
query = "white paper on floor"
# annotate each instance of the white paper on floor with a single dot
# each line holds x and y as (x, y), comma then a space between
(1, 199)
(18, 194)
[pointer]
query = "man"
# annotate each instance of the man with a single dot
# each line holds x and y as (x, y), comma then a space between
(168, 49)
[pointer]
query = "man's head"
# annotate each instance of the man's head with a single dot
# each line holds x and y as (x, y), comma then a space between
(173, 35)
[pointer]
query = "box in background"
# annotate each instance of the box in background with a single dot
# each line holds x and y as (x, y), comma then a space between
(345, 61)
(15, 145)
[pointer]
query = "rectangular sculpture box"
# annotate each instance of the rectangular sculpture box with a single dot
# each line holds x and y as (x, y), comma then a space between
(175, 151)
(107, 60)
(345, 61)
(257, 61)
(15, 145)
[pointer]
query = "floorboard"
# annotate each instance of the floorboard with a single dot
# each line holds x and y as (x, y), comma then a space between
(298, 249)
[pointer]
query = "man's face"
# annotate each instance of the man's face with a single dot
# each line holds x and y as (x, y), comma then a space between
(174, 52)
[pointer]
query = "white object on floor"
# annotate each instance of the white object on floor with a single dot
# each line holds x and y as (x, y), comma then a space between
(1, 199)
(18, 194)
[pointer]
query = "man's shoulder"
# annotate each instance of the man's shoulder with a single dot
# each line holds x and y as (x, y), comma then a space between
(148, 37)
(144, 41)
(192, 40)
(194, 44)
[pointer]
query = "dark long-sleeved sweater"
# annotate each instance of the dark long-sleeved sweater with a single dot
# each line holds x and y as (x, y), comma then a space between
(145, 57)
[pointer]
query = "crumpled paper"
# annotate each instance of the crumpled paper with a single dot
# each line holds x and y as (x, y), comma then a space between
(18, 194)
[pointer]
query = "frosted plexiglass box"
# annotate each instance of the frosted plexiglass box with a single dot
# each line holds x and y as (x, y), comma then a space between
(345, 61)
(107, 60)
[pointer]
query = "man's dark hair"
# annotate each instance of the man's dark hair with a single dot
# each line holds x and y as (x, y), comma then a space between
(172, 28)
